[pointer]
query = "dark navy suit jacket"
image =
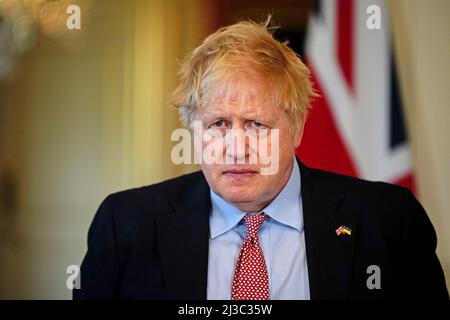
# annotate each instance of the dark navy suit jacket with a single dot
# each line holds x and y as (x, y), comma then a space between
(152, 242)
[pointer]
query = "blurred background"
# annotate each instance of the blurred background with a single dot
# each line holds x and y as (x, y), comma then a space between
(84, 112)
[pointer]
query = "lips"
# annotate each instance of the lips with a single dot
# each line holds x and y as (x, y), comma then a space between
(240, 171)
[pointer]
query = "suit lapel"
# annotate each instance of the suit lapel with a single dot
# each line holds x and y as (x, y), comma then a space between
(329, 256)
(183, 236)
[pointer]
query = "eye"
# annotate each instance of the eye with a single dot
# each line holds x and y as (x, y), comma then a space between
(257, 125)
(219, 124)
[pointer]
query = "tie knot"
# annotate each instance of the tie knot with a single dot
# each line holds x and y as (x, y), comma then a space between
(253, 223)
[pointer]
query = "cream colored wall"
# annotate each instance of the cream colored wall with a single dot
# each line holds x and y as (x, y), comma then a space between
(85, 122)
(422, 41)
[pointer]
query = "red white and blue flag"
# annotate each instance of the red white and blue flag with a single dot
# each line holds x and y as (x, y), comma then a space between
(356, 127)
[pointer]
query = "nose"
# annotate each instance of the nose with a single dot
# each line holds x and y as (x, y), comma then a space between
(237, 142)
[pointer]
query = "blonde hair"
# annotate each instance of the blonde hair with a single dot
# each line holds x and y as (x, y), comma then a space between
(245, 47)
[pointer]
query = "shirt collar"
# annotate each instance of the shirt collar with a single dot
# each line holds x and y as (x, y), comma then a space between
(285, 208)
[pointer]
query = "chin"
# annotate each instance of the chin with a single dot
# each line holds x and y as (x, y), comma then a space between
(239, 195)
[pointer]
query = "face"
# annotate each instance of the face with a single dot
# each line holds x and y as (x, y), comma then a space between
(241, 174)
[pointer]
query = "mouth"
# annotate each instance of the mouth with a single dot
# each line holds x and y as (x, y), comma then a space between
(240, 172)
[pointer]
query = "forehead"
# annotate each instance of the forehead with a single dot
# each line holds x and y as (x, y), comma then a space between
(239, 95)
(234, 110)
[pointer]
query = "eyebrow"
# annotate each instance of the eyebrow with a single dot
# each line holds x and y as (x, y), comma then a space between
(212, 112)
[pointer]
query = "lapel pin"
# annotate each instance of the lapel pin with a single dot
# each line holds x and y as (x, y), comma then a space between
(343, 230)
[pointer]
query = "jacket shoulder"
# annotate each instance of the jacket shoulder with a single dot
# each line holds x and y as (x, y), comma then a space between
(160, 190)
(349, 184)
(373, 199)
(131, 206)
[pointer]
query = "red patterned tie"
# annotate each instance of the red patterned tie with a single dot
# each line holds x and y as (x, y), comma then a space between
(251, 281)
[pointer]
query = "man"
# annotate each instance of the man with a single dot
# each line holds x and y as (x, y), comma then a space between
(237, 230)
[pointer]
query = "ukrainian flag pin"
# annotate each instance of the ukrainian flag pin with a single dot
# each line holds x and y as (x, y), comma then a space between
(343, 230)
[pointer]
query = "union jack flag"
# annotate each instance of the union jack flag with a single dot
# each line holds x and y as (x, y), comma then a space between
(339, 230)
(356, 126)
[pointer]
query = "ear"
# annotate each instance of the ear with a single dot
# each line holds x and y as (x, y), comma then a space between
(299, 135)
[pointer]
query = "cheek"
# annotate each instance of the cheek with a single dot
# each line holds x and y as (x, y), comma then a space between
(287, 141)
(281, 143)
(213, 147)
(212, 171)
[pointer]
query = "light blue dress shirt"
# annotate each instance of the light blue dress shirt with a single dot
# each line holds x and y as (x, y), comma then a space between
(281, 238)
